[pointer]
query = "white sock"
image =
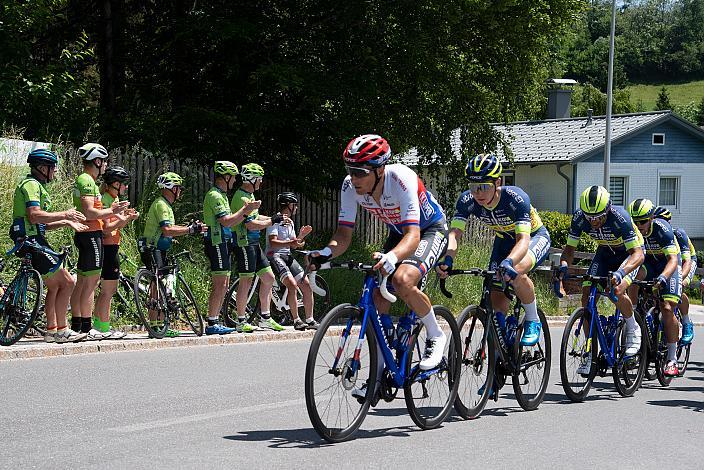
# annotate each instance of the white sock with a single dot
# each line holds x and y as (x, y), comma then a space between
(531, 311)
(215, 319)
(265, 315)
(685, 319)
(672, 352)
(431, 324)
(631, 324)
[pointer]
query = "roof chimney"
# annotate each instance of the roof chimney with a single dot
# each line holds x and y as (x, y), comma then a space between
(559, 98)
(590, 113)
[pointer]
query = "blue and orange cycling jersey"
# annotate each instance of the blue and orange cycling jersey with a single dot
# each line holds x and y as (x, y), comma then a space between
(618, 231)
(660, 241)
(511, 215)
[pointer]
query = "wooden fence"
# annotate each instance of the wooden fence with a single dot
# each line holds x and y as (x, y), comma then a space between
(320, 214)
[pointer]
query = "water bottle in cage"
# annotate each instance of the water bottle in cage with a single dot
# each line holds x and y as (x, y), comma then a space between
(170, 284)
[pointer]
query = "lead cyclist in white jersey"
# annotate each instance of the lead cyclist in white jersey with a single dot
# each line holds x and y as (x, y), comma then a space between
(417, 230)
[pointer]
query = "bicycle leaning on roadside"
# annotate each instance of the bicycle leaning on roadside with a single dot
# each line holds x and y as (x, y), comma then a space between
(163, 298)
(21, 301)
(648, 310)
(596, 343)
(492, 351)
(343, 358)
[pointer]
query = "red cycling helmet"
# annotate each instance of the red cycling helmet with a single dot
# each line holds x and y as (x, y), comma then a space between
(368, 149)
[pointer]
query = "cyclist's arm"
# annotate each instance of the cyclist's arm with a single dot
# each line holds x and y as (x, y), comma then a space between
(341, 240)
(260, 223)
(567, 255)
(276, 243)
(635, 259)
(671, 266)
(114, 223)
(91, 212)
(686, 267)
(233, 219)
(453, 239)
(38, 216)
(520, 249)
(573, 234)
(174, 230)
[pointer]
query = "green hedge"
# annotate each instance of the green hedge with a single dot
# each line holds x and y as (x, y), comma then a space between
(558, 224)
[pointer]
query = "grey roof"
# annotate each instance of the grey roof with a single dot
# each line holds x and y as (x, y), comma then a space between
(566, 140)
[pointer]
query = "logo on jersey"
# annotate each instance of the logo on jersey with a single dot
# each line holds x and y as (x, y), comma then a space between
(425, 205)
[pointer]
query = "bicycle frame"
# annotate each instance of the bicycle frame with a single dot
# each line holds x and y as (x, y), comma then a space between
(395, 368)
(608, 349)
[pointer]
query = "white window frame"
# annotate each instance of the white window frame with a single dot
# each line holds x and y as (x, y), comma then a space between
(678, 190)
(659, 134)
(625, 187)
(511, 174)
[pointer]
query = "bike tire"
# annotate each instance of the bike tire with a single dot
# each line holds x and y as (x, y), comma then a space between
(228, 311)
(628, 374)
(189, 307)
(574, 346)
(683, 358)
(23, 308)
(476, 361)
(539, 356)
(145, 282)
(330, 340)
(442, 385)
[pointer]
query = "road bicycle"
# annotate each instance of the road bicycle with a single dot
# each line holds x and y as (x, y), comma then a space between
(343, 356)
(600, 341)
(648, 309)
(492, 351)
(164, 298)
(280, 310)
(22, 297)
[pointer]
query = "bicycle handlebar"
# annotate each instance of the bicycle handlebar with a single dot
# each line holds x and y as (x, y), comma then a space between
(368, 268)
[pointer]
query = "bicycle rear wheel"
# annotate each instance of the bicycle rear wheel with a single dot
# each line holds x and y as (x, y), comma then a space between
(533, 362)
(430, 394)
(19, 306)
(477, 364)
(332, 410)
(628, 372)
(188, 306)
(229, 305)
(576, 348)
(149, 298)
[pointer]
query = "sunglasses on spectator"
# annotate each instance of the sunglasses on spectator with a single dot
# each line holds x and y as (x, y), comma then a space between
(357, 171)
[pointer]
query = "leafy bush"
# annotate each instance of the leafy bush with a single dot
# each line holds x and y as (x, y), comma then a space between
(558, 224)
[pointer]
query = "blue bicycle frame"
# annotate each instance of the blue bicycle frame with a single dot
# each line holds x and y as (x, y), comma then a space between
(608, 349)
(396, 368)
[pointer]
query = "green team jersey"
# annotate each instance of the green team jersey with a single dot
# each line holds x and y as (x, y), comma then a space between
(244, 237)
(29, 193)
(160, 214)
(215, 205)
(85, 186)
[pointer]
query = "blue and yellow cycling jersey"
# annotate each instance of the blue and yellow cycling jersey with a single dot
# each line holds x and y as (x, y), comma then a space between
(660, 242)
(511, 215)
(618, 231)
(686, 247)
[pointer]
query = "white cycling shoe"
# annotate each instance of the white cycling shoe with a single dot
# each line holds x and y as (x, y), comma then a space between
(632, 342)
(434, 348)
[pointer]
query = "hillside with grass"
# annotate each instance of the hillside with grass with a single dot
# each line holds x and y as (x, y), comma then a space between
(681, 94)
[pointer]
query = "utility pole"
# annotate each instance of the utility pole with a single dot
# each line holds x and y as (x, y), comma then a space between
(609, 99)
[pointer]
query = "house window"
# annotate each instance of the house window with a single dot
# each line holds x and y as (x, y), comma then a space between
(669, 191)
(508, 178)
(618, 188)
(658, 139)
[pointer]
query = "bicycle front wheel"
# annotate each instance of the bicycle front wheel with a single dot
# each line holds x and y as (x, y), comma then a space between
(683, 358)
(430, 394)
(531, 381)
(19, 306)
(477, 364)
(628, 371)
(577, 351)
(148, 296)
(335, 368)
(188, 307)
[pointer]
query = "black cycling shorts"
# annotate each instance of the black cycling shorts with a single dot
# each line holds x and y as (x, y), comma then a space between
(251, 261)
(44, 263)
(219, 256)
(431, 248)
(151, 257)
(90, 252)
(284, 264)
(111, 263)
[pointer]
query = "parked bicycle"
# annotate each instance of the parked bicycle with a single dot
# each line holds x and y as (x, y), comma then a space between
(21, 301)
(492, 351)
(163, 298)
(648, 309)
(598, 340)
(280, 310)
(343, 357)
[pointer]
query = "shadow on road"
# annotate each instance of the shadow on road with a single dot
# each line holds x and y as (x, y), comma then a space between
(307, 438)
(694, 405)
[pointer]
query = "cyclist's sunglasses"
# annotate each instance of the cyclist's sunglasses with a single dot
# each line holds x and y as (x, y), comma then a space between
(594, 218)
(357, 171)
(480, 187)
(642, 221)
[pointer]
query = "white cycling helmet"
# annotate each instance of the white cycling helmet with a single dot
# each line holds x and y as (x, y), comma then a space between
(90, 152)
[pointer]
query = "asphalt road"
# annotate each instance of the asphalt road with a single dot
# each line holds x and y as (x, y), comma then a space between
(237, 406)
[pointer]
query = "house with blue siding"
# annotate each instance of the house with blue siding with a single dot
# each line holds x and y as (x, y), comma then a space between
(654, 155)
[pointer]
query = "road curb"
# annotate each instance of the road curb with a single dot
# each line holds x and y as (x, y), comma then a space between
(36, 348)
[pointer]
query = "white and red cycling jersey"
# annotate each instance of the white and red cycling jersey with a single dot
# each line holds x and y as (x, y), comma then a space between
(404, 201)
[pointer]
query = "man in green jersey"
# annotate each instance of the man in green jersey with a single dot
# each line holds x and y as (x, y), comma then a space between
(88, 200)
(251, 260)
(160, 228)
(218, 238)
(31, 218)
